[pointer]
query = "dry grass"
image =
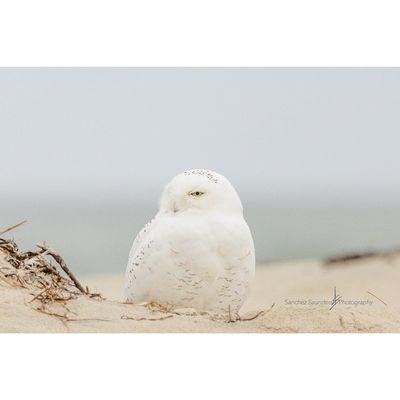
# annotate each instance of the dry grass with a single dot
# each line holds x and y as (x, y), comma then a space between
(48, 283)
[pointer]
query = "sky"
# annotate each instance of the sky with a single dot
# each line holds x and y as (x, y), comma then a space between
(274, 133)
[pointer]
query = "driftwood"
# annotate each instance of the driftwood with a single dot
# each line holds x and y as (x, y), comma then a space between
(355, 256)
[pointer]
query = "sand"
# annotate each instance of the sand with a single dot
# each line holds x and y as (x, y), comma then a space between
(295, 297)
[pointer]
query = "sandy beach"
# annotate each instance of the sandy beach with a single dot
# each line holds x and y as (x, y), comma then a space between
(294, 297)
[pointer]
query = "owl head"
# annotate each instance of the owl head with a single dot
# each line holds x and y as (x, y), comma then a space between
(200, 190)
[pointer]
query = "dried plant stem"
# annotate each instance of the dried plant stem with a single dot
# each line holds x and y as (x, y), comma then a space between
(12, 227)
(262, 312)
(146, 319)
(64, 318)
(62, 264)
(374, 295)
(229, 314)
(253, 317)
(39, 294)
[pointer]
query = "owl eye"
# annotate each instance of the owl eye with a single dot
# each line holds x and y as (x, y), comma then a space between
(196, 194)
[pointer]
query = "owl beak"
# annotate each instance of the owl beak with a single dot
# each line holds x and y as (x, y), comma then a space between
(175, 209)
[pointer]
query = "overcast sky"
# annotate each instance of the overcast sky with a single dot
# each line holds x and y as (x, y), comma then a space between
(270, 131)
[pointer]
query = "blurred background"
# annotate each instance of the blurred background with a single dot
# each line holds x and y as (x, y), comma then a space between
(313, 153)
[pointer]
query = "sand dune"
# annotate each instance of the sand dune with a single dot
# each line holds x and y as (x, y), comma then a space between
(295, 297)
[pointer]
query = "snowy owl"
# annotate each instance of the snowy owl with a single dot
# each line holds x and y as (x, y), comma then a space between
(197, 252)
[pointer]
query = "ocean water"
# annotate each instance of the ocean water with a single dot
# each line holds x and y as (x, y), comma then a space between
(95, 237)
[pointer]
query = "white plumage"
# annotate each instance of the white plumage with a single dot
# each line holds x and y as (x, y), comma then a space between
(197, 252)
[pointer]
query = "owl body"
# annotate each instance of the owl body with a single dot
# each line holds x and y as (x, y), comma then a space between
(191, 256)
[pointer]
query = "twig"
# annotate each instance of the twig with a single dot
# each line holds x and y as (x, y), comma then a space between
(377, 298)
(229, 314)
(62, 264)
(262, 312)
(87, 319)
(64, 318)
(12, 227)
(39, 294)
(146, 319)
(60, 317)
(93, 295)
